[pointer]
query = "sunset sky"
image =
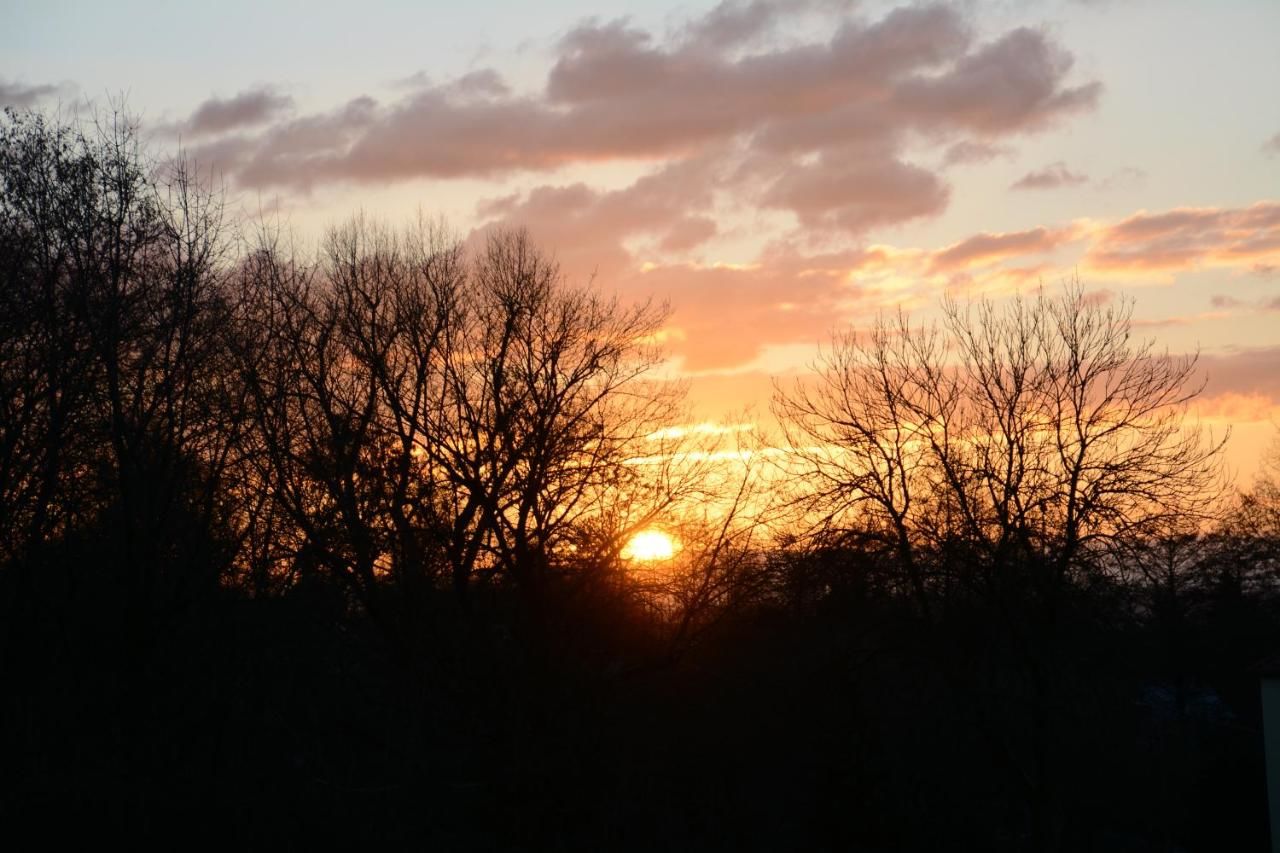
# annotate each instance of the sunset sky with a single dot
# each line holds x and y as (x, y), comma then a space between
(775, 169)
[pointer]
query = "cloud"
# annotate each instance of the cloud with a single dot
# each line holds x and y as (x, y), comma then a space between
(786, 296)
(1245, 373)
(1050, 177)
(249, 108)
(1125, 178)
(1243, 391)
(858, 196)
(1188, 237)
(732, 24)
(1014, 83)
(1272, 146)
(982, 249)
(299, 151)
(1265, 304)
(23, 96)
(688, 232)
(728, 314)
(590, 225)
(727, 82)
(725, 315)
(966, 152)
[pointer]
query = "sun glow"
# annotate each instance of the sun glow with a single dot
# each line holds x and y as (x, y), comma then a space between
(650, 545)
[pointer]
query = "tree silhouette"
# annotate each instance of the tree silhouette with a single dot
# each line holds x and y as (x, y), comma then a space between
(1026, 441)
(543, 402)
(424, 412)
(114, 379)
(1000, 459)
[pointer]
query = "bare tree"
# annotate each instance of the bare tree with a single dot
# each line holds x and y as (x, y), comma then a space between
(115, 411)
(341, 356)
(545, 400)
(423, 415)
(996, 460)
(1023, 440)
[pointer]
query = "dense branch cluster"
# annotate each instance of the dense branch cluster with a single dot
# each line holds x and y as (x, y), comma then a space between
(1004, 445)
(398, 409)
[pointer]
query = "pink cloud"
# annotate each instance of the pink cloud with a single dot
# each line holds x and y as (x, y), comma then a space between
(1265, 304)
(615, 92)
(1012, 84)
(1125, 178)
(688, 232)
(1187, 237)
(857, 197)
(731, 24)
(1247, 372)
(591, 225)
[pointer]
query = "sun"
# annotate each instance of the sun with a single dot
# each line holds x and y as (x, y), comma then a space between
(650, 545)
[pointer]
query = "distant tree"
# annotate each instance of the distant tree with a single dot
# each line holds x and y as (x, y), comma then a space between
(1003, 450)
(116, 406)
(1000, 459)
(1252, 528)
(1238, 589)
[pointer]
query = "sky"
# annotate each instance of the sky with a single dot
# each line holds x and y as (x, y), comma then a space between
(775, 169)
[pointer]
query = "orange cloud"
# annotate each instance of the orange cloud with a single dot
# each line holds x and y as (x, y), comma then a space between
(988, 248)
(1187, 237)
(1247, 372)
(728, 314)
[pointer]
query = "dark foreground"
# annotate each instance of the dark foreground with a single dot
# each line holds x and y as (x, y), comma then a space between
(829, 723)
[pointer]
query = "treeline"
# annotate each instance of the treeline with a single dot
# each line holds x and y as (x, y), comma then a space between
(314, 544)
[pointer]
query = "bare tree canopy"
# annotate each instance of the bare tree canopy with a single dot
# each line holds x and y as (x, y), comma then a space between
(1022, 438)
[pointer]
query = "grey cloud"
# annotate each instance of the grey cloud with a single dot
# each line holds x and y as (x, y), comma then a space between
(967, 151)
(24, 96)
(1129, 176)
(1050, 177)
(1013, 83)
(858, 196)
(250, 108)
